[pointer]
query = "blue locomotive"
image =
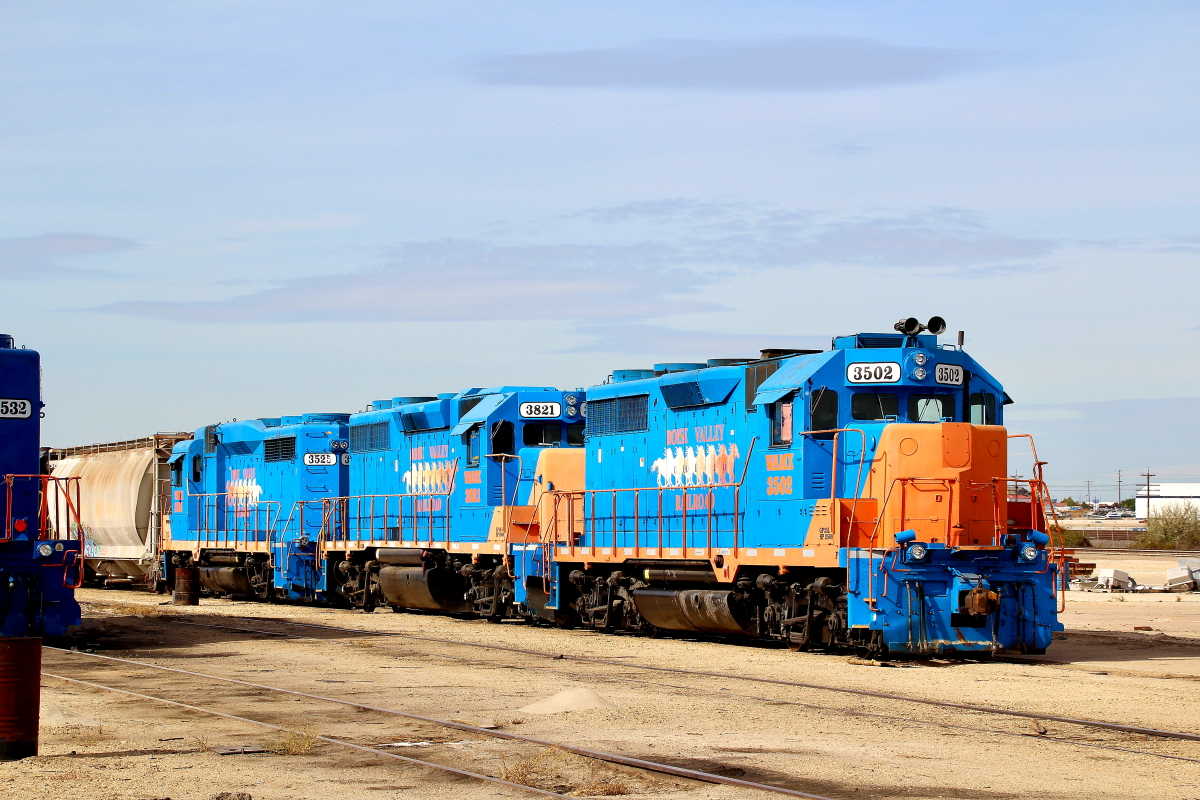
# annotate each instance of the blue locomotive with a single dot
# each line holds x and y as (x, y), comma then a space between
(247, 500)
(41, 540)
(438, 498)
(854, 498)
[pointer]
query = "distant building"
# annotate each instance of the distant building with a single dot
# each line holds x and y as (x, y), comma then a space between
(1163, 495)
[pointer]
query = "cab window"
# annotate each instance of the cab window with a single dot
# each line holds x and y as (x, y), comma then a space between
(542, 434)
(177, 473)
(781, 423)
(930, 407)
(471, 440)
(823, 412)
(874, 405)
(197, 469)
(575, 434)
(983, 409)
(503, 438)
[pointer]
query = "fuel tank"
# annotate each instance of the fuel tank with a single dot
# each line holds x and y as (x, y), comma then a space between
(700, 610)
(432, 590)
(225, 580)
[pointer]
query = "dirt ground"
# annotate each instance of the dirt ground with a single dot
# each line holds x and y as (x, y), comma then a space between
(103, 745)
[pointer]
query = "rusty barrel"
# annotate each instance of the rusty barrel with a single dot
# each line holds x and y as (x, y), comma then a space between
(187, 587)
(20, 696)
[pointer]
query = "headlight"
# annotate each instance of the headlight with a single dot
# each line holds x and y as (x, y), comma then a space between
(45, 549)
(919, 373)
(917, 552)
(920, 358)
(1028, 552)
(572, 411)
(571, 400)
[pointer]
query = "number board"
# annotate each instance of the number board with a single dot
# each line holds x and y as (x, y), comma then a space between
(951, 374)
(320, 459)
(874, 372)
(540, 410)
(15, 409)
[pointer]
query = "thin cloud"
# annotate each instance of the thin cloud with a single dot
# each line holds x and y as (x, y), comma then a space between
(802, 64)
(457, 280)
(683, 247)
(38, 257)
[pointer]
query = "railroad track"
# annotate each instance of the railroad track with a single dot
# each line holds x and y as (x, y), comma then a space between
(725, 693)
(1130, 551)
(613, 758)
(992, 710)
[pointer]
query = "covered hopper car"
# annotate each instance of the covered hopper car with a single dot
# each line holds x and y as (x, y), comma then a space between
(125, 493)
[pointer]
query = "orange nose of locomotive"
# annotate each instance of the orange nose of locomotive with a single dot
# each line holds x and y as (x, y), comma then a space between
(944, 481)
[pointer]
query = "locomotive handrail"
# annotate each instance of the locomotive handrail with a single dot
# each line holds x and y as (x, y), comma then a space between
(1059, 549)
(1036, 486)
(336, 514)
(217, 533)
(66, 509)
(62, 493)
(583, 495)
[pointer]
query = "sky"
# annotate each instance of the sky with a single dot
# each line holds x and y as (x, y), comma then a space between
(215, 210)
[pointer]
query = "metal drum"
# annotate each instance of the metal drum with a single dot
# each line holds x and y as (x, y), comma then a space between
(187, 587)
(20, 696)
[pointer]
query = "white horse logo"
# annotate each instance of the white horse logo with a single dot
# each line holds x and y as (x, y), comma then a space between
(702, 465)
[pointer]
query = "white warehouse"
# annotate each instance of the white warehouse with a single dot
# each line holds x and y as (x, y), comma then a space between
(1163, 495)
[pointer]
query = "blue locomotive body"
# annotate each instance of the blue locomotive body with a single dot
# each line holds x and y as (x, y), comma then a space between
(41, 541)
(852, 498)
(247, 503)
(435, 488)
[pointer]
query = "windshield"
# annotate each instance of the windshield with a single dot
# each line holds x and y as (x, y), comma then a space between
(930, 407)
(874, 405)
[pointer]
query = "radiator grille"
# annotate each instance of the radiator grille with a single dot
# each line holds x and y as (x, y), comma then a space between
(618, 415)
(280, 449)
(371, 436)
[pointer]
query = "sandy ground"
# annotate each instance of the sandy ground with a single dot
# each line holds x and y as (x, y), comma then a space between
(98, 744)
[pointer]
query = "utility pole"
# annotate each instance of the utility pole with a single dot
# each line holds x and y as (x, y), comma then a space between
(1118, 488)
(1089, 492)
(1147, 475)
